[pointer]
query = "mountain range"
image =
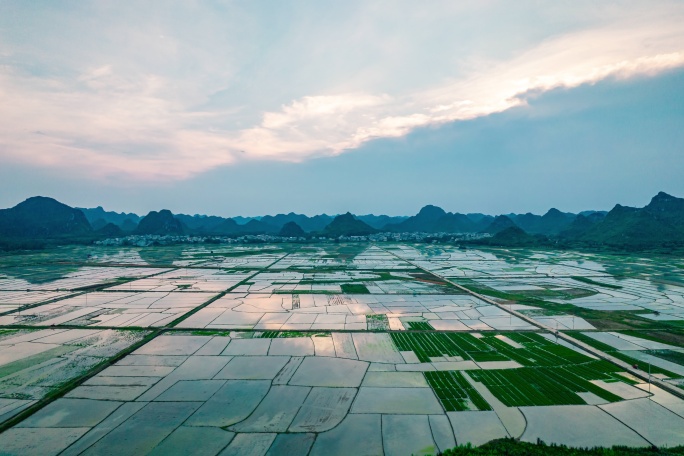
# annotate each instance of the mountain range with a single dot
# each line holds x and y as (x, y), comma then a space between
(660, 223)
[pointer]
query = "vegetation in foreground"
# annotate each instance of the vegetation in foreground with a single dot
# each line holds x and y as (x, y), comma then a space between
(512, 447)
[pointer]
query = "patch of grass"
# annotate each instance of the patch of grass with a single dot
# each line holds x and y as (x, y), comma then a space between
(289, 334)
(354, 288)
(420, 326)
(530, 386)
(433, 345)
(513, 447)
(454, 391)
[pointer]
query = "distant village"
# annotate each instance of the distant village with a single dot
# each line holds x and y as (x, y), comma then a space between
(146, 240)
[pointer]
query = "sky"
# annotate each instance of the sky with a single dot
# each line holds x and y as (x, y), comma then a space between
(251, 108)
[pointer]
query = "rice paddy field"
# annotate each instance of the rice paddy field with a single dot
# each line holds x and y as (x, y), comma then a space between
(328, 349)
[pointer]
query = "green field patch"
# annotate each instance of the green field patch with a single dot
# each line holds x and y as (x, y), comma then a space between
(536, 351)
(354, 288)
(290, 334)
(419, 326)
(455, 392)
(433, 345)
(538, 386)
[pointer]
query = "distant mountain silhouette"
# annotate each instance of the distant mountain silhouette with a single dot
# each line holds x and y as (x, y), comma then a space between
(161, 223)
(117, 218)
(110, 230)
(308, 224)
(291, 229)
(380, 221)
(514, 236)
(348, 225)
(433, 219)
(659, 223)
(551, 223)
(201, 224)
(500, 223)
(582, 224)
(258, 227)
(41, 217)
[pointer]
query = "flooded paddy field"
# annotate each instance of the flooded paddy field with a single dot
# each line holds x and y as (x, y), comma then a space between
(390, 349)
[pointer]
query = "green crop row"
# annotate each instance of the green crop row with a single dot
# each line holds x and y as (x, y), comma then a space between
(420, 326)
(454, 391)
(530, 386)
(430, 345)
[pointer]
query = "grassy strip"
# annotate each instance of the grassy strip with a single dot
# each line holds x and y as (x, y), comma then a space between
(454, 391)
(594, 282)
(513, 447)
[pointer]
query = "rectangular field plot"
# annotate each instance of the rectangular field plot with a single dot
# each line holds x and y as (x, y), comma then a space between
(33, 363)
(10, 300)
(111, 309)
(454, 392)
(187, 280)
(524, 349)
(337, 281)
(68, 278)
(540, 386)
(346, 311)
(667, 361)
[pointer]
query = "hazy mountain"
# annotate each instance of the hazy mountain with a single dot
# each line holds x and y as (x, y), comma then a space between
(110, 230)
(500, 223)
(551, 223)
(309, 224)
(98, 224)
(291, 229)
(481, 221)
(582, 224)
(41, 217)
(513, 236)
(348, 225)
(258, 227)
(380, 221)
(668, 209)
(227, 227)
(200, 224)
(455, 223)
(433, 219)
(162, 223)
(129, 225)
(117, 218)
(659, 223)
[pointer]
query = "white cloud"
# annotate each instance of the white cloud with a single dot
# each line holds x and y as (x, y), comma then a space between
(177, 103)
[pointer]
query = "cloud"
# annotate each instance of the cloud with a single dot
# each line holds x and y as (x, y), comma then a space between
(188, 105)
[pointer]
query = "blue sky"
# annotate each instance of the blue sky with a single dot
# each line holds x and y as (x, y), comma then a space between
(248, 108)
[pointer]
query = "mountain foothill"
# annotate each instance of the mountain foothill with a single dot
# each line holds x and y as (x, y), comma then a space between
(658, 224)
